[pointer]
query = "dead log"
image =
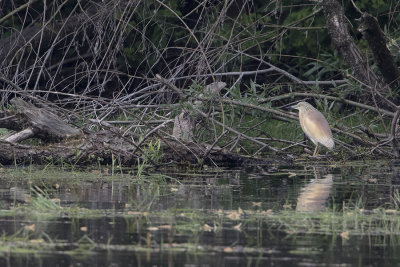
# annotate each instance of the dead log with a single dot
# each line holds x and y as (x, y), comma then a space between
(40, 122)
(106, 147)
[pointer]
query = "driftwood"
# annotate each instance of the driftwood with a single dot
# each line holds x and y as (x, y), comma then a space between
(67, 144)
(40, 122)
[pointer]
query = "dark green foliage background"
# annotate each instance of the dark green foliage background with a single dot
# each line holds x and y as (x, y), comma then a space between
(159, 36)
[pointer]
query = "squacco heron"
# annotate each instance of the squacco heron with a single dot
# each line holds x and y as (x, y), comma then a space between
(315, 126)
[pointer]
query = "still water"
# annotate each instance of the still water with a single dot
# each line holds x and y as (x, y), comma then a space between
(302, 215)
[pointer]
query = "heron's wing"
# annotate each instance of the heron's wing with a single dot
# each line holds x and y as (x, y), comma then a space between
(318, 127)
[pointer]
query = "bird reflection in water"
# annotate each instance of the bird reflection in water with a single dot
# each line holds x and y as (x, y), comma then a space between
(314, 195)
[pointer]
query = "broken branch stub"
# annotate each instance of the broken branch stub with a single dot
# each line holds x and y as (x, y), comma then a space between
(184, 124)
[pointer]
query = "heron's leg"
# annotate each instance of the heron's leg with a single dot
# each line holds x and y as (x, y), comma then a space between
(315, 150)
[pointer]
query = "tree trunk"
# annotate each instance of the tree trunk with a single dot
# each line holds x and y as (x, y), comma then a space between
(377, 42)
(343, 42)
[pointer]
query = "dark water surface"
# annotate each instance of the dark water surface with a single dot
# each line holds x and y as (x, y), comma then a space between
(301, 215)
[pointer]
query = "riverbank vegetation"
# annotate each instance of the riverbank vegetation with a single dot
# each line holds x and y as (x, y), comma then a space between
(206, 82)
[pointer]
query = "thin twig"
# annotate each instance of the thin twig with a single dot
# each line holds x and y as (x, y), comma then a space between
(236, 132)
(16, 10)
(334, 98)
(393, 130)
(213, 145)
